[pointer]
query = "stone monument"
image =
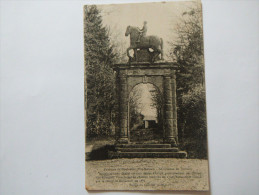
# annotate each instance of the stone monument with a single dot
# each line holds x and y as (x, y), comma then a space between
(147, 67)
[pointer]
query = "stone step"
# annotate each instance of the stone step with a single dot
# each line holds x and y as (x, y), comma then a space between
(147, 149)
(180, 154)
(143, 146)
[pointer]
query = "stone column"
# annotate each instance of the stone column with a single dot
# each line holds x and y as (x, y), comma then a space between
(123, 107)
(169, 108)
(175, 129)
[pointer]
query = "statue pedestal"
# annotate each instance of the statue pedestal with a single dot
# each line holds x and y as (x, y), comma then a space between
(144, 55)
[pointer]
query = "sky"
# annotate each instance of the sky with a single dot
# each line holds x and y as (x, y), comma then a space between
(145, 100)
(161, 19)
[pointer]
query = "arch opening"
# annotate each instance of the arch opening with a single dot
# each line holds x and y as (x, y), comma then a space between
(145, 123)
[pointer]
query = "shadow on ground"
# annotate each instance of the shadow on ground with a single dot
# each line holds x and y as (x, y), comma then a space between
(100, 153)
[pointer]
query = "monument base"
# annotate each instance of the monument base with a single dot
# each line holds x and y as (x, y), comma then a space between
(144, 55)
(171, 140)
(122, 140)
(146, 151)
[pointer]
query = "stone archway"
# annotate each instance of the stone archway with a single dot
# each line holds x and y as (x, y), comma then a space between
(161, 75)
(145, 113)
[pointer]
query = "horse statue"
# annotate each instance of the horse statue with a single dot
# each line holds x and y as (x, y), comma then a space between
(145, 42)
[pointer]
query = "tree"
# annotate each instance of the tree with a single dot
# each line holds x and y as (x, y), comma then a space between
(188, 53)
(100, 79)
(135, 106)
(157, 103)
(188, 50)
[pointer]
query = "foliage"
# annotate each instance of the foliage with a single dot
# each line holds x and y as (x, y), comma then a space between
(157, 103)
(188, 50)
(194, 124)
(135, 106)
(188, 53)
(99, 56)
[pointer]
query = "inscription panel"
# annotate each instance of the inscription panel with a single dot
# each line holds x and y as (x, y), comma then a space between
(151, 72)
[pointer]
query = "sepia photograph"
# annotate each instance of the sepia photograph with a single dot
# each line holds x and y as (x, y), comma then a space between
(145, 103)
(129, 97)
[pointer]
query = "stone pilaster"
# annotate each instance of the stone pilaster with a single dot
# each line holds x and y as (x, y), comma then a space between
(123, 107)
(175, 129)
(169, 118)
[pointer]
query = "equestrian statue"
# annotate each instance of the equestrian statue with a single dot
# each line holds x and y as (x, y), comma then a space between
(139, 40)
